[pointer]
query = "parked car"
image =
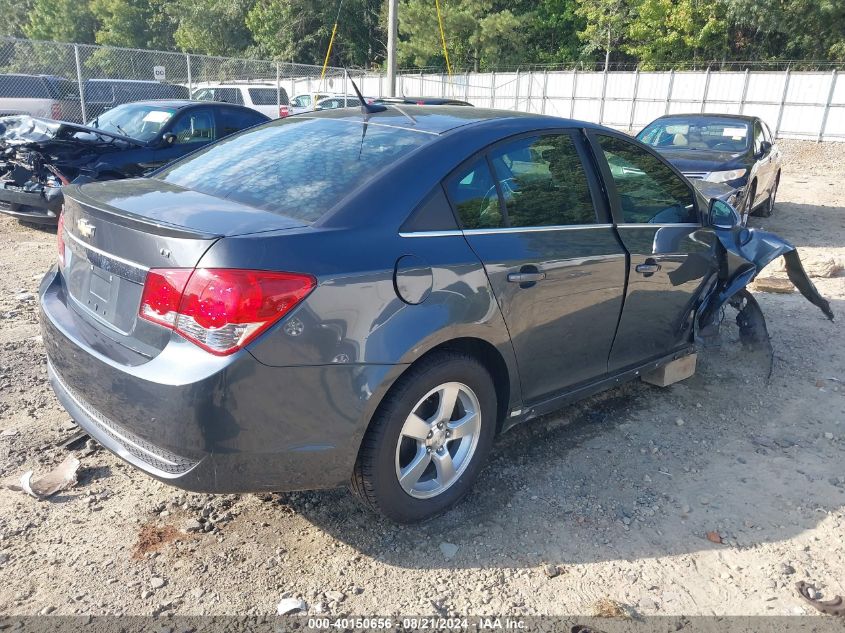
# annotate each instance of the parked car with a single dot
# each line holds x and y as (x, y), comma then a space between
(39, 157)
(736, 150)
(373, 297)
(104, 94)
(339, 101)
(308, 102)
(40, 95)
(264, 98)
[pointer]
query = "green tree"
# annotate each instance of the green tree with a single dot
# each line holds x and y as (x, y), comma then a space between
(671, 31)
(479, 34)
(554, 31)
(133, 24)
(300, 30)
(61, 21)
(605, 27)
(15, 16)
(211, 27)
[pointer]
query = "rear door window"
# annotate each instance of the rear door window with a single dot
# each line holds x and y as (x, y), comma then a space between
(472, 192)
(231, 120)
(543, 182)
(647, 189)
(297, 167)
(267, 96)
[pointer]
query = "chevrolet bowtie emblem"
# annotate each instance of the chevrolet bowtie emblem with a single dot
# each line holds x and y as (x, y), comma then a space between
(86, 229)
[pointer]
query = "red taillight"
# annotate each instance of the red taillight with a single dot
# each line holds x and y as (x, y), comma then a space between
(283, 111)
(60, 238)
(56, 111)
(220, 309)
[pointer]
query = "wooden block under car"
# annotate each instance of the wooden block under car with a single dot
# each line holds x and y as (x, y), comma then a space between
(673, 372)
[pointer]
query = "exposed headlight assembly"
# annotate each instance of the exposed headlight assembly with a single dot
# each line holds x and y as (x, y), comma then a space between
(725, 176)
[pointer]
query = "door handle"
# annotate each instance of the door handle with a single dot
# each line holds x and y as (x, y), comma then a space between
(526, 278)
(648, 268)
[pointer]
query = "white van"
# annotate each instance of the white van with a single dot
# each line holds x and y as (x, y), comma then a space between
(264, 98)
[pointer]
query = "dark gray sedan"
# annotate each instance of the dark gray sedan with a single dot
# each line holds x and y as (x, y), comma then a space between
(373, 296)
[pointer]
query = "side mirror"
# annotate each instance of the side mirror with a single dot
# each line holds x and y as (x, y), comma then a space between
(722, 215)
(765, 148)
(168, 138)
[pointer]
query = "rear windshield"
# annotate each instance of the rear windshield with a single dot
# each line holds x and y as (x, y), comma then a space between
(23, 87)
(297, 167)
(696, 133)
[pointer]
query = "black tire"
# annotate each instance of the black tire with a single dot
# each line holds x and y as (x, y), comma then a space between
(752, 193)
(769, 208)
(374, 478)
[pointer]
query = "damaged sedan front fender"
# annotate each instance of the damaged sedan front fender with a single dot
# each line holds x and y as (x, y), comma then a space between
(744, 252)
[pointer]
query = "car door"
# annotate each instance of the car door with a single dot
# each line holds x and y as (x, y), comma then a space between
(534, 215)
(762, 171)
(670, 255)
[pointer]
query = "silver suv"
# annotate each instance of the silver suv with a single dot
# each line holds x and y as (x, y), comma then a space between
(40, 96)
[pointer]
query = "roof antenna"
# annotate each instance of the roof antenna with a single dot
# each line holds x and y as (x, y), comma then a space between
(366, 108)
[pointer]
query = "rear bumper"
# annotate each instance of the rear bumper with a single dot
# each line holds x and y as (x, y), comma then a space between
(205, 423)
(30, 206)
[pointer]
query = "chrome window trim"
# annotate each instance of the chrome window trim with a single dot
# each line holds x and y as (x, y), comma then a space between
(511, 229)
(540, 229)
(633, 225)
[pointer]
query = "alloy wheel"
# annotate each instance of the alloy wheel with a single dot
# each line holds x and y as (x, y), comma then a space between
(438, 440)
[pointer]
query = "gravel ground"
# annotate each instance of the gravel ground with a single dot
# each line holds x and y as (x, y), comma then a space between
(713, 496)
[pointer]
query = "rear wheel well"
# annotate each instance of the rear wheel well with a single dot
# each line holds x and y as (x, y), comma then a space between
(486, 354)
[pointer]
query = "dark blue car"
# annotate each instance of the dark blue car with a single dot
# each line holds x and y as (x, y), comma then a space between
(369, 298)
(38, 157)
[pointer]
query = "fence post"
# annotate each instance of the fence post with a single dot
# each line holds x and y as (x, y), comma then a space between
(421, 93)
(80, 83)
(706, 90)
(744, 93)
(603, 93)
(574, 92)
(516, 91)
(279, 88)
(545, 90)
(530, 86)
(669, 91)
(466, 86)
(493, 89)
(345, 82)
(782, 101)
(190, 80)
(634, 98)
(827, 105)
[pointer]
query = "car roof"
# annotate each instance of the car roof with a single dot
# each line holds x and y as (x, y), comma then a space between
(708, 115)
(443, 119)
(128, 81)
(183, 103)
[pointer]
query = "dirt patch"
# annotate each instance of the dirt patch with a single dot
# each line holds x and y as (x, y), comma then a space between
(152, 538)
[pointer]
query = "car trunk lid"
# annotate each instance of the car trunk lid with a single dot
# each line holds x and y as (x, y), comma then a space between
(115, 232)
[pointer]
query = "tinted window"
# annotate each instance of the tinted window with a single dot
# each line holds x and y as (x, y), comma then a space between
(296, 166)
(474, 197)
(227, 95)
(63, 89)
(230, 120)
(196, 126)
(648, 190)
(268, 96)
(302, 101)
(23, 87)
(697, 133)
(543, 182)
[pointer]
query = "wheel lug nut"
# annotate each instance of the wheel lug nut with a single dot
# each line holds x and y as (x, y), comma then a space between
(428, 450)
(439, 425)
(429, 435)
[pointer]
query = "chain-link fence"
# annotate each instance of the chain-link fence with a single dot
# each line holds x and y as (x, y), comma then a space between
(77, 82)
